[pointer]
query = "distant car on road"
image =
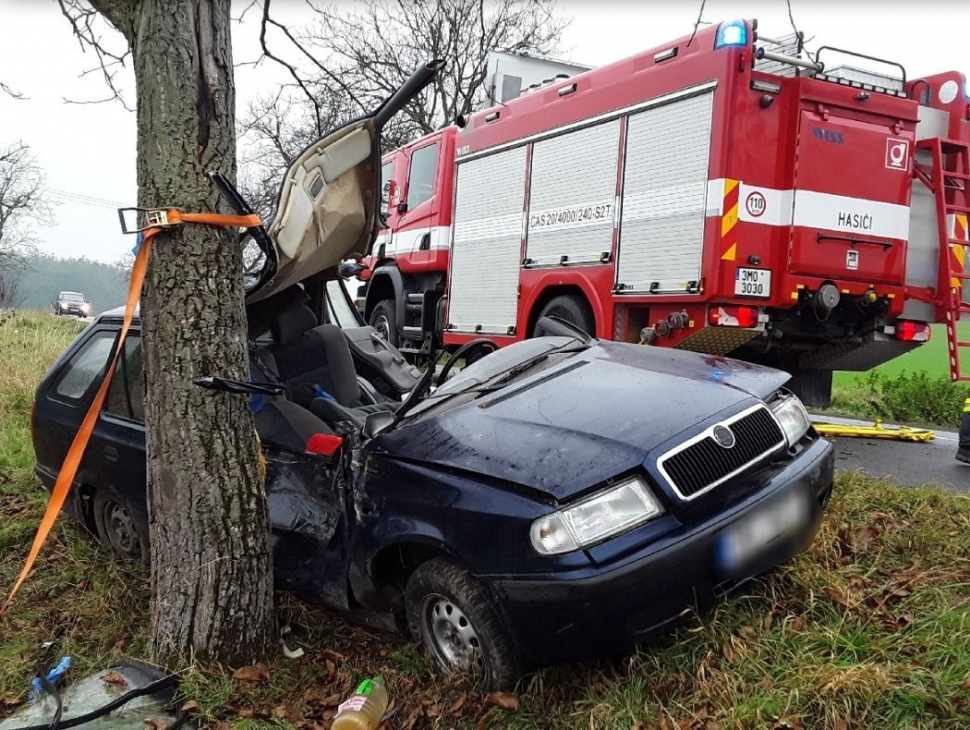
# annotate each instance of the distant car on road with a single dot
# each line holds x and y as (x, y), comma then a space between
(71, 302)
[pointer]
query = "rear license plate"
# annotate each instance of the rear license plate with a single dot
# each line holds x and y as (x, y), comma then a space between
(752, 283)
(755, 533)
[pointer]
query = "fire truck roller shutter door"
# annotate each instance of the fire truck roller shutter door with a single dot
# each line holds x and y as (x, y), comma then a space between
(487, 242)
(571, 196)
(664, 195)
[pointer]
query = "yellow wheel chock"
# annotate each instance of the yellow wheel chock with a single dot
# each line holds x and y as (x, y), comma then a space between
(876, 431)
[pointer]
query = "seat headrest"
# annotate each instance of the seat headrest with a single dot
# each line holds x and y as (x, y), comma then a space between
(292, 323)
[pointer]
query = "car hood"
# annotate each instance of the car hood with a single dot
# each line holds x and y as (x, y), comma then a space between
(593, 416)
(329, 202)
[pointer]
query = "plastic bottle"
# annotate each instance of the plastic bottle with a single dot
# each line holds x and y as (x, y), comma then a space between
(365, 709)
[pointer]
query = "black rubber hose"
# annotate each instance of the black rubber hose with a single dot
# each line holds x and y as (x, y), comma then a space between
(52, 691)
(57, 724)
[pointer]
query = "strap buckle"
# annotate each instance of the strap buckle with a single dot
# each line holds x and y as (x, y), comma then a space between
(142, 219)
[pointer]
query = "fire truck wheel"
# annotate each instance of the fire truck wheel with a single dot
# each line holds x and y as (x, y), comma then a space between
(574, 309)
(384, 320)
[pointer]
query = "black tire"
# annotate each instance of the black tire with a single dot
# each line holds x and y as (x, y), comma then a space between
(118, 530)
(384, 320)
(572, 308)
(479, 643)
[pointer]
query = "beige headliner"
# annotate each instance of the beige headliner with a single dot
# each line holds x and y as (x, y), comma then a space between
(326, 207)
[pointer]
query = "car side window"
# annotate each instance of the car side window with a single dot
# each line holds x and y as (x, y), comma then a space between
(421, 176)
(87, 364)
(339, 308)
(126, 394)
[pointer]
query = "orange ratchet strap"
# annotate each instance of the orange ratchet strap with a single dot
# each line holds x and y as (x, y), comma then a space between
(166, 218)
(174, 217)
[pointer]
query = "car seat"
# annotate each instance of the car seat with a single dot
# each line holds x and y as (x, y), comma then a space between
(316, 365)
(286, 425)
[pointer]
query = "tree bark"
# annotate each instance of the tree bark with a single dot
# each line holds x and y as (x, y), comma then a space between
(212, 582)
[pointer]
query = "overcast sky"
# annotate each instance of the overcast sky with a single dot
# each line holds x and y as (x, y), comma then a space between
(89, 150)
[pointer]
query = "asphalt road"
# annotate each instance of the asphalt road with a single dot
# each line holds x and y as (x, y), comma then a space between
(908, 463)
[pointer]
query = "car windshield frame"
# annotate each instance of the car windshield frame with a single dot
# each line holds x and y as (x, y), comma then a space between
(73, 297)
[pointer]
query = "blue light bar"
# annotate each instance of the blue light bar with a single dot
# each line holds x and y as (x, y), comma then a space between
(733, 33)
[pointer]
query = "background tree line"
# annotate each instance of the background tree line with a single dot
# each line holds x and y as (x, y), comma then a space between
(42, 276)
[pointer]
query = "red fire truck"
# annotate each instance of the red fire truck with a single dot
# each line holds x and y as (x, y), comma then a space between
(722, 193)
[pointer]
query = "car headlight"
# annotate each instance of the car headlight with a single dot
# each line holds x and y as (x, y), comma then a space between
(610, 512)
(792, 416)
(85, 308)
(63, 305)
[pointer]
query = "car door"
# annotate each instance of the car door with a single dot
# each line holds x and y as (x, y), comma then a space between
(118, 442)
(380, 363)
(307, 497)
(416, 225)
(329, 204)
(63, 399)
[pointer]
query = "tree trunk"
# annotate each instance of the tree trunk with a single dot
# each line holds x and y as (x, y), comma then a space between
(212, 581)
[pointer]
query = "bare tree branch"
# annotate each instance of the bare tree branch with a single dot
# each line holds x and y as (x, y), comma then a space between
(354, 57)
(375, 46)
(9, 289)
(23, 204)
(86, 23)
(335, 78)
(289, 67)
(11, 93)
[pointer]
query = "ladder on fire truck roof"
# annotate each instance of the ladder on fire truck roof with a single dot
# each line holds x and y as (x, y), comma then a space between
(948, 178)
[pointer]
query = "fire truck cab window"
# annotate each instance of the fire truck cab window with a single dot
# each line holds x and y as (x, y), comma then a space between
(421, 177)
(387, 170)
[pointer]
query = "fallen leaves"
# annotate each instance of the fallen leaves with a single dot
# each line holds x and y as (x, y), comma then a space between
(115, 680)
(503, 700)
(458, 704)
(252, 673)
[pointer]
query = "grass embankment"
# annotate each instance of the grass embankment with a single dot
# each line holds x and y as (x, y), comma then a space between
(913, 388)
(868, 629)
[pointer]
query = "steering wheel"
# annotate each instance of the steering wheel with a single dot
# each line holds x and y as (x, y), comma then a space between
(481, 342)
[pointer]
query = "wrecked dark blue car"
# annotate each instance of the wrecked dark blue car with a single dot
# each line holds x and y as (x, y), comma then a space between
(528, 511)
(557, 499)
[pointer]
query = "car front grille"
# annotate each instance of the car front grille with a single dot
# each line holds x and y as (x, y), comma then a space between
(702, 463)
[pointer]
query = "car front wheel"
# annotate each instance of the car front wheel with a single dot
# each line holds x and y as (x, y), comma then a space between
(118, 529)
(450, 614)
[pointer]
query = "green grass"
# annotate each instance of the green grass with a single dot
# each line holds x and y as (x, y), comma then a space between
(913, 388)
(914, 398)
(869, 628)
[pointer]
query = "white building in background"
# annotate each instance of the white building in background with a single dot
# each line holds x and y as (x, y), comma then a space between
(510, 75)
